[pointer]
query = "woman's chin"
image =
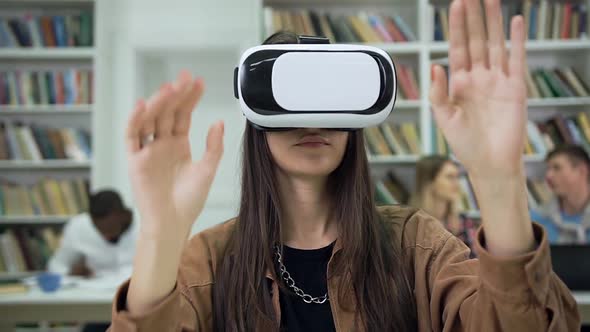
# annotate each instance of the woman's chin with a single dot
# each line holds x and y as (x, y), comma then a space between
(311, 171)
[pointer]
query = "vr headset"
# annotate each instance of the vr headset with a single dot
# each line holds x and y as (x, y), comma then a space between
(315, 84)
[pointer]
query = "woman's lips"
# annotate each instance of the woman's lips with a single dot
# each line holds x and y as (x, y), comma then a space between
(312, 141)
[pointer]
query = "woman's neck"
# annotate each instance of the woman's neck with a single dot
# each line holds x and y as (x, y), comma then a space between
(306, 219)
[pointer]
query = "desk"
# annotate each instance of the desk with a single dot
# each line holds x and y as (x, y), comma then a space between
(67, 305)
(583, 299)
(84, 305)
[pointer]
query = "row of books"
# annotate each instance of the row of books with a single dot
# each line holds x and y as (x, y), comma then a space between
(541, 83)
(30, 30)
(544, 19)
(46, 197)
(47, 87)
(389, 139)
(363, 27)
(556, 83)
(27, 249)
(390, 190)
(32, 142)
(544, 136)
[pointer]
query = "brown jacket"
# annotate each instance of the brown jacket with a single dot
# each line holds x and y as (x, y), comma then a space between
(453, 292)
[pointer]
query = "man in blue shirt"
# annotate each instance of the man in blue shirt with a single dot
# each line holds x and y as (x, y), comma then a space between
(566, 217)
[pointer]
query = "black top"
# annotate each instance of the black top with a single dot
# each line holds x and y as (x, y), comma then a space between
(308, 268)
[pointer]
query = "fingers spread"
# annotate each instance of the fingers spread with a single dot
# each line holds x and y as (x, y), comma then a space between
(439, 87)
(182, 120)
(458, 45)
(439, 96)
(134, 127)
(517, 65)
(477, 35)
(157, 106)
(496, 41)
(214, 148)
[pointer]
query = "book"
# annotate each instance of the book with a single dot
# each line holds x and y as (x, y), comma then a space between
(383, 196)
(566, 22)
(399, 192)
(12, 287)
(377, 141)
(410, 132)
(542, 20)
(392, 141)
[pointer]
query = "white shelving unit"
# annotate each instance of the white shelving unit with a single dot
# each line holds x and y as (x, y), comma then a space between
(33, 220)
(44, 165)
(53, 116)
(51, 110)
(56, 53)
(531, 46)
(424, 52)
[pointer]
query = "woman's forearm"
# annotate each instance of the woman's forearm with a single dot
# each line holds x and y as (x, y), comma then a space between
(504, 213)
(155, 269)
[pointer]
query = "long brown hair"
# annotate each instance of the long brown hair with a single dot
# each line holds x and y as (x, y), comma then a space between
(370, 262)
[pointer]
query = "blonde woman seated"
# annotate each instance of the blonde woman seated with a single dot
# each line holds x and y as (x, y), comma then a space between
(438, 191)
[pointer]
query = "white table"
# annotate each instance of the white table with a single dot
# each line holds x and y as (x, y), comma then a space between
(67, 305)
(583, 299)
(93, 305)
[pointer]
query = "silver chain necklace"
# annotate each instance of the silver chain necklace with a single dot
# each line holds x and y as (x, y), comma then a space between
(291, 283)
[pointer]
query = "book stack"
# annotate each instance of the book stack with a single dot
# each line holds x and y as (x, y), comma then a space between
(390, 190)
(362, 27)
(46, 87)
(46, 197)
(23, 249)
(75, 30)
(544, 19)
(407, 82)
(556, 83)
(390, 139)
(544, 136)
(36, 143)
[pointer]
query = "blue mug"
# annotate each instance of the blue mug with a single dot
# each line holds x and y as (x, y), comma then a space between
(49, 282)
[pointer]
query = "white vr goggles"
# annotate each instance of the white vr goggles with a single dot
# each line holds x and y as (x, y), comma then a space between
(315, 85)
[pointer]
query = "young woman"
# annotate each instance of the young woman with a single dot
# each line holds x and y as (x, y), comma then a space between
(308, 230)
(437, 192)
(437, 189)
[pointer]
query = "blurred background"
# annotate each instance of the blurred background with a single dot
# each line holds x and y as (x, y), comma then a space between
(71, 71)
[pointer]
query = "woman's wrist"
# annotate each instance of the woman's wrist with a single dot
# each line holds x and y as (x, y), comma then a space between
(504, 212)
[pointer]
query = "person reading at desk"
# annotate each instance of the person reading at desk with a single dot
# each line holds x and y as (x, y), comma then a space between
(98, 243)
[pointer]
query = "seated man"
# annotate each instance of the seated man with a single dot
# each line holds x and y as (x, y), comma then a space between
(99, 243)
(567, 216)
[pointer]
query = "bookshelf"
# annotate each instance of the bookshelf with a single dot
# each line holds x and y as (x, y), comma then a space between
(33, 220)
(47, 60)
(422, 17)
(39, 53)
